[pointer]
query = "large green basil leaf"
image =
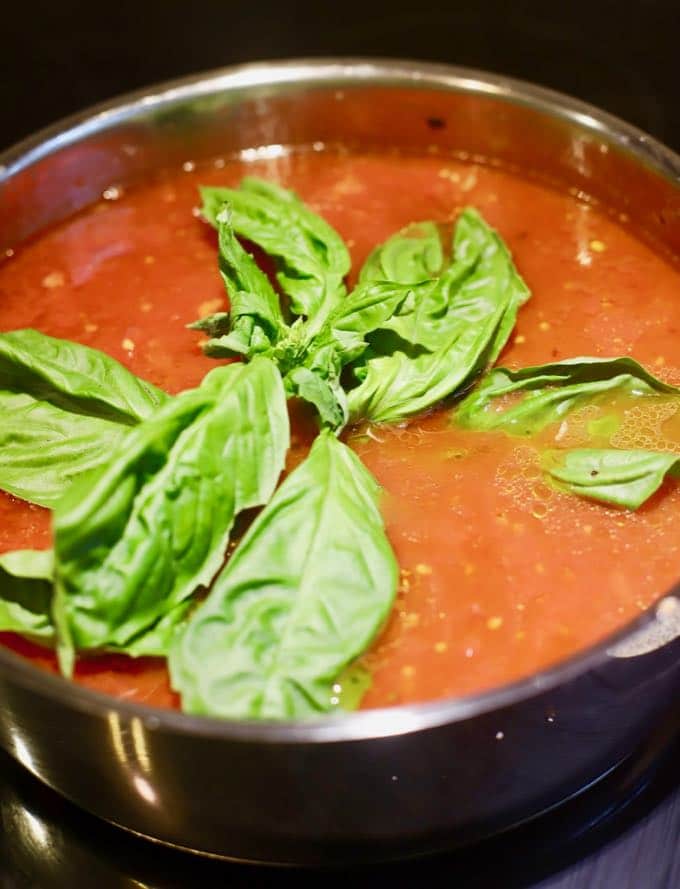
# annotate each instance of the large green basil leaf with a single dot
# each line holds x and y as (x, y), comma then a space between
(26, 593)
(444, 332)
(623, 478)
(63, 408)
(75, 378)
(550, 391)
(44, 448)
(305, 592)
(311, 258)
(136, 538)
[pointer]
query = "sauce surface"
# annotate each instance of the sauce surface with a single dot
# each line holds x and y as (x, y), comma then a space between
(501, 575)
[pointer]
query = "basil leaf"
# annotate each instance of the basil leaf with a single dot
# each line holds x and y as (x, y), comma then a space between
(44, 448)
(321, 389)
(305, 592)
(311, 257)
(368, 308)
(412, 255)
(137, 537)
(444, 332)
(254, 321)
(354, 682)
(26, 593)
(157, 640)
(550, 391)
(63, 407)
(74, 378)
(623, 478)
(311, 369)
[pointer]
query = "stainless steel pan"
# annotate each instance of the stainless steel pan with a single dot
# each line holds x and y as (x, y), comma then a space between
(382, 783)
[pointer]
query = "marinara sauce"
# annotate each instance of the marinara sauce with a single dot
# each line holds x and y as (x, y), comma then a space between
(501, 575)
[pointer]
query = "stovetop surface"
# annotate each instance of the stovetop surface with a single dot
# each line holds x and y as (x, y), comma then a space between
(59, 57)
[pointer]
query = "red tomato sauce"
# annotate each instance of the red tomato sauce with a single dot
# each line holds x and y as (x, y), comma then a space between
(500, 575)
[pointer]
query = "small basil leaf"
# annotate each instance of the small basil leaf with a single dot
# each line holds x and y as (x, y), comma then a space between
(248, 286)
(254, 322)
(445, 333)
(311, 258)
(412, 255)
(74, 378)
(26, 593)
(304, 594)
(368, 308)
(324, 393)
(551, 391)
(623, 478)
(136, 538)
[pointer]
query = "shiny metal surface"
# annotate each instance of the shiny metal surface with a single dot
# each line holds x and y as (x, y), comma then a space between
(378, 783)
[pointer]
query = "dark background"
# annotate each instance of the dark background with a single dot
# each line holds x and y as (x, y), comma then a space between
(58, 57)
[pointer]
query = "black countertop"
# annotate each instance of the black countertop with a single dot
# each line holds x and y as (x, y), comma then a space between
(59, 57)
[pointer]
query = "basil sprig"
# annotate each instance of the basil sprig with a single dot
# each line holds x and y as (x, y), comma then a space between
(311, 257)
(63, 408)
(303, 595)
(417, 328)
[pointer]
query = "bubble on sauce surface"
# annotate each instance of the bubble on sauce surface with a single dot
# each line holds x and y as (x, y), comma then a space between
(642, 427)
(573, 431)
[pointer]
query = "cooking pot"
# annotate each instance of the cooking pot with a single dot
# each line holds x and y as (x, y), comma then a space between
(375, 784)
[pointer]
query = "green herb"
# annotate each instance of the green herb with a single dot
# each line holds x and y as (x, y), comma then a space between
(44, 448)
(303, 595)
(413, 255)
(156, 641)
(74, 378)
(623, 478)
(412, 338)
(134, 539)
(254, 323)
(311, 257)
(354, 681)
(63, 408)
(550, 391)
(312, 261)
(26, 594)
(443, 332)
